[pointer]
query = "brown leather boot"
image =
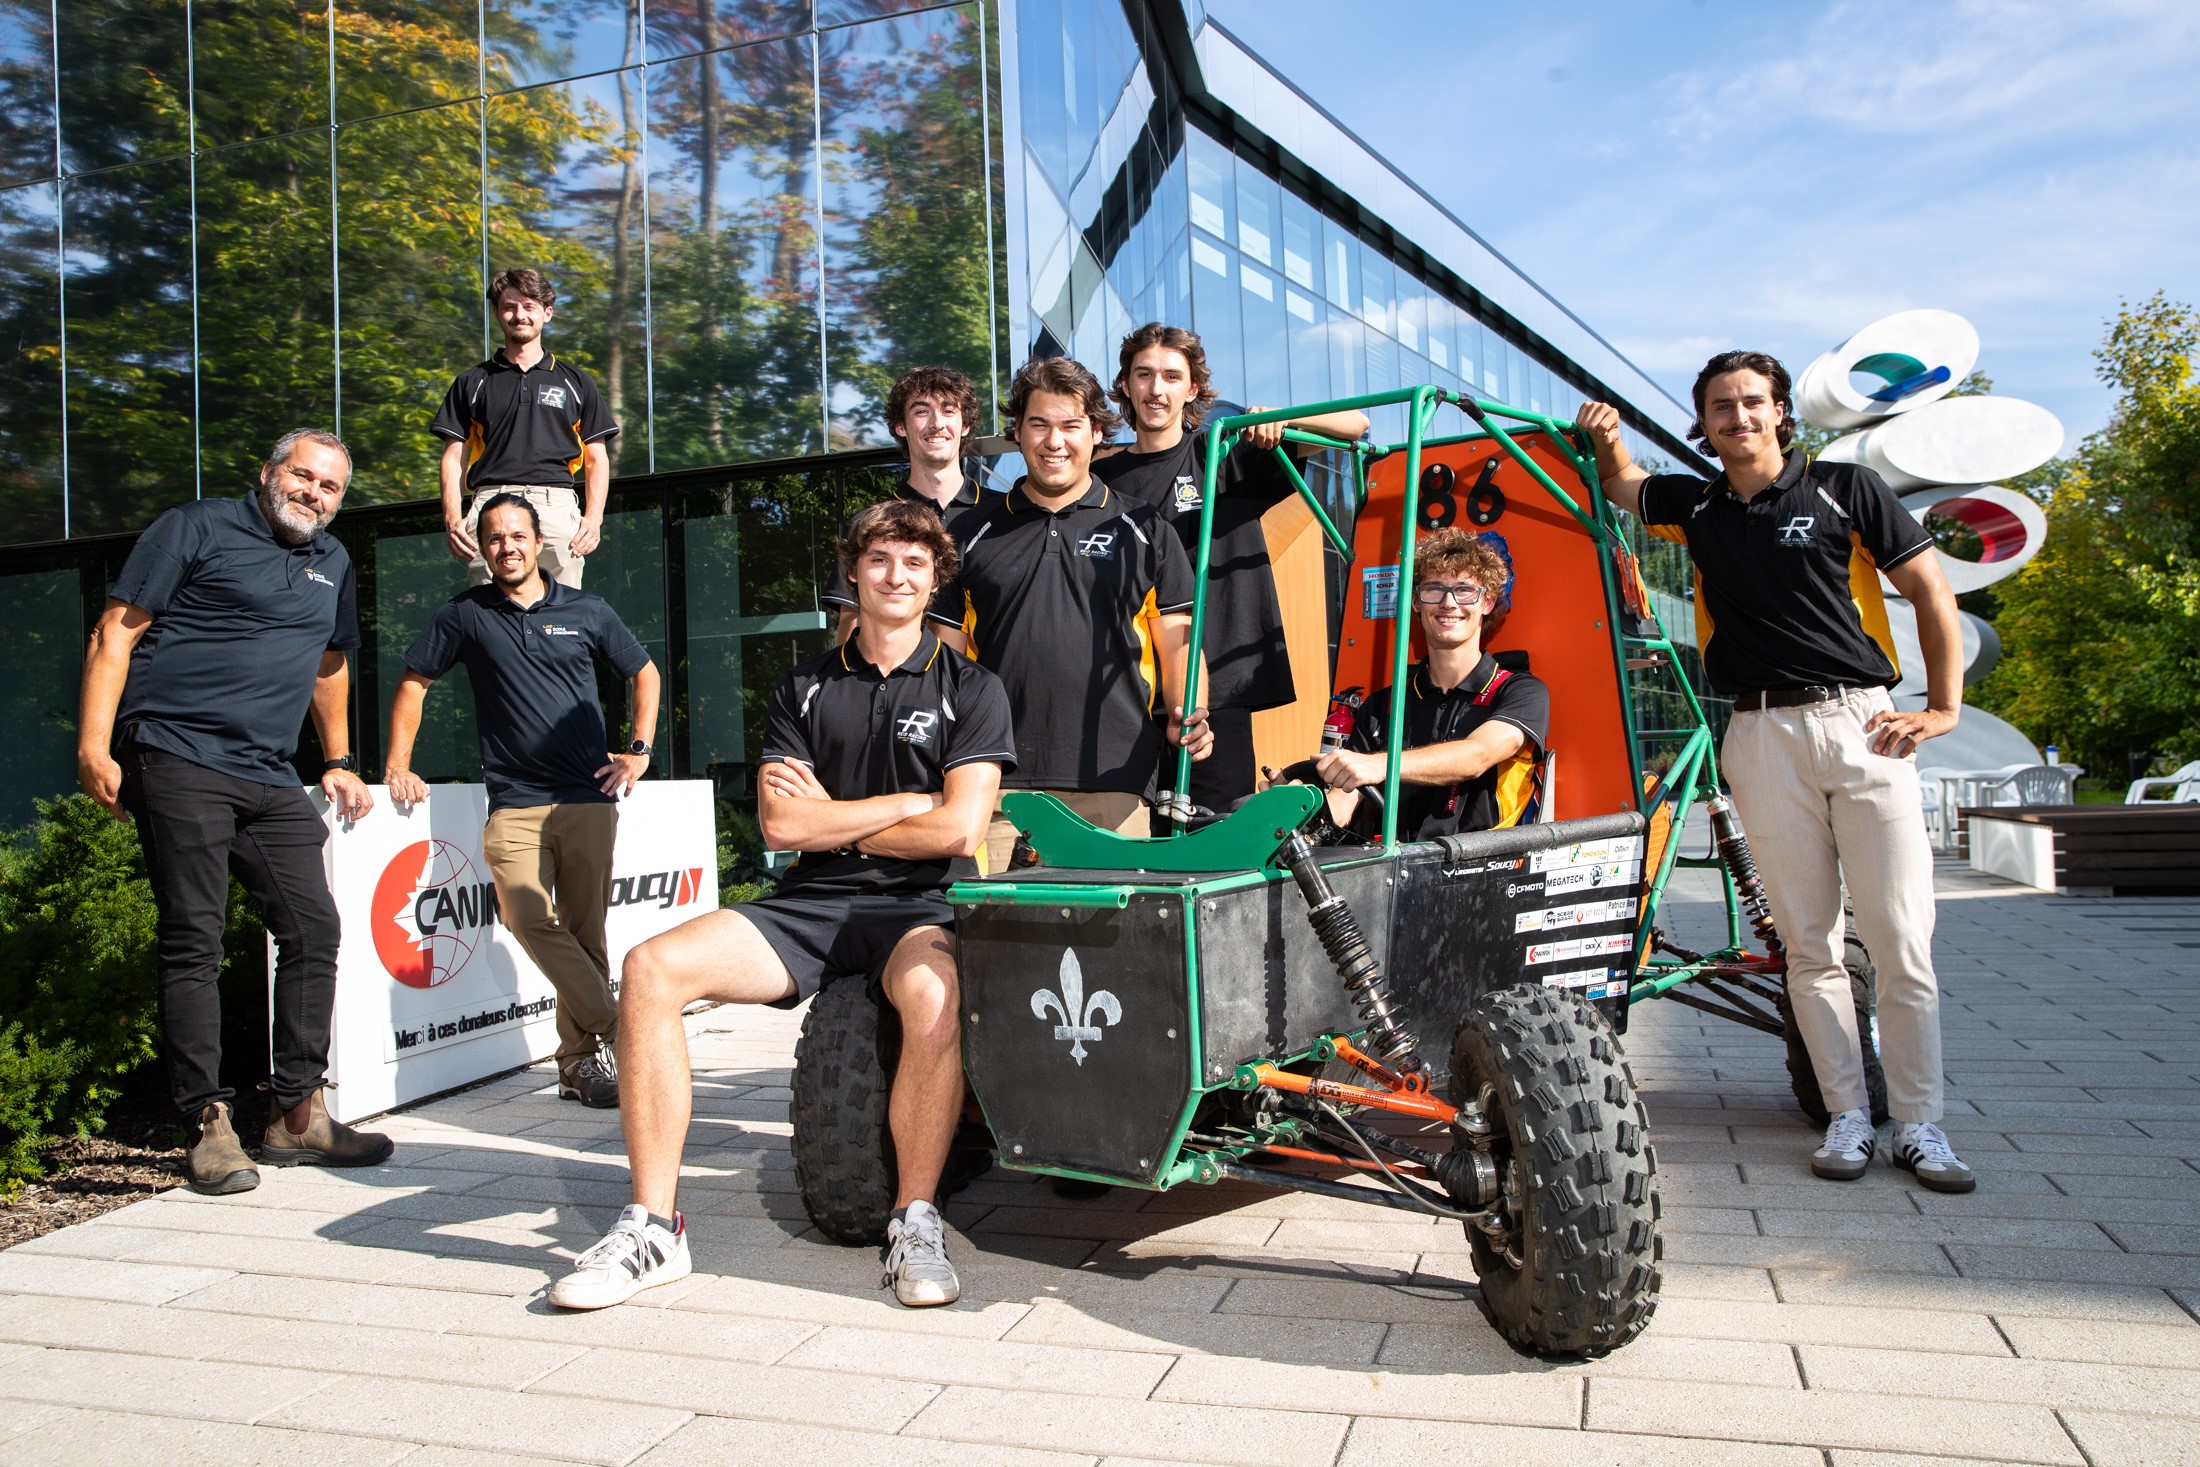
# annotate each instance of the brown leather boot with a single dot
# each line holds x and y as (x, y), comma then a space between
(324, 1142)
(215, 1159)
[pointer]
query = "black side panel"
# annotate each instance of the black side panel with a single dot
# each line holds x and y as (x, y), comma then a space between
(1077, 1032)
(1266, 988)
(1552, 910)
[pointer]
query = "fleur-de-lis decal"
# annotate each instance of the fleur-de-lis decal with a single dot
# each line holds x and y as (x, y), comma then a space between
(1074, 1009)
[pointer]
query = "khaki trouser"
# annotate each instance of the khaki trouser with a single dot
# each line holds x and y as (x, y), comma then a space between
(1124, 814)
(1820, 808)
(552, 867)
(560, 510)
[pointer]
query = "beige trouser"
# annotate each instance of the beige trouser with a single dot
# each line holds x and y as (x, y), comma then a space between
(552, 867)
(1109, 809)
(560, 511)
(1820, 808)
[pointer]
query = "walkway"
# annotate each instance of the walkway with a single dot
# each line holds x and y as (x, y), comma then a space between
(395, 1316)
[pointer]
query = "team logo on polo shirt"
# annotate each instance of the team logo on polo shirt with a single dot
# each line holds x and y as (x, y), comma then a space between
(1796, 531)
(550, 397)
(1099, 545)
(1187, 493)
(559, 629)
(917, 726)
(314, 575)
(431, 910)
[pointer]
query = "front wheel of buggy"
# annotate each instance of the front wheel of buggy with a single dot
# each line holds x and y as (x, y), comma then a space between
(843, 1150)
(1568, 1258)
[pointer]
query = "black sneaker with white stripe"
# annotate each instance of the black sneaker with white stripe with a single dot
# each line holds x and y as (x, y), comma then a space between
(636, 1254)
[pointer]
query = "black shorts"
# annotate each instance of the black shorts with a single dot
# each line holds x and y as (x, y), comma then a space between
(824, 937)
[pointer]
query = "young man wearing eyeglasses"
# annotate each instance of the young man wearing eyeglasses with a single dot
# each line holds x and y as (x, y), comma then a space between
(1474, 730)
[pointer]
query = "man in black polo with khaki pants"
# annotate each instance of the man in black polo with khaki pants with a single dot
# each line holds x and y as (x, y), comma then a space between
(525, 423)
(1788, 556)
(230, 619)
(531, 646)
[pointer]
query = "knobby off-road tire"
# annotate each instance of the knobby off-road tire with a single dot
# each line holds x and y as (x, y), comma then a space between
(843, 1151)
(1803, 1078)
(1573, 1271)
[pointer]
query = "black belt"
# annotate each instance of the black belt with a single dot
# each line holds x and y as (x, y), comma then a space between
(1802, 697)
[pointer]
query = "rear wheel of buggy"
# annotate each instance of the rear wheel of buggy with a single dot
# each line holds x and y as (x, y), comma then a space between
(843, 1150)
(1803, 1077)
(1568, 1263)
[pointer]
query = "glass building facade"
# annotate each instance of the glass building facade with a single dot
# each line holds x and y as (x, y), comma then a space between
(220, 219)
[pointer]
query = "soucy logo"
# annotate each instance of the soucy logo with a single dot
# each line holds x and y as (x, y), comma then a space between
(663, 888)
(1797, 531)
(431, 909)
(915, 726)
(1100, 545)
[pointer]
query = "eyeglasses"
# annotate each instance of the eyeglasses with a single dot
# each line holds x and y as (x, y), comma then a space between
(1466, 593)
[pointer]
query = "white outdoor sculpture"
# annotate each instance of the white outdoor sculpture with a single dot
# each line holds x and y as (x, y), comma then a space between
(1890, 381)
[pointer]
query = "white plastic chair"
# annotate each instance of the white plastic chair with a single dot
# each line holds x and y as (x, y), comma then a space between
(2184, 788)
(2032, 784)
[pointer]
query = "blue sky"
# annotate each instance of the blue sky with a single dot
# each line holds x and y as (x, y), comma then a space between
(1776, 175)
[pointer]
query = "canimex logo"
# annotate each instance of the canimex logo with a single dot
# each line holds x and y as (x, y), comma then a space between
(432, 908)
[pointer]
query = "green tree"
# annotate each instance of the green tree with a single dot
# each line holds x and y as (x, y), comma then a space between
(2101, 631)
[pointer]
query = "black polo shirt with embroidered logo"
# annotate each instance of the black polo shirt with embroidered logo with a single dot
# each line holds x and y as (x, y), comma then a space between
(1248, 663)
(1788, 582)
(225, 673)
(533, 670)
(863, 734)
(524, 425)
(1493, 799)
(1063, 606)
(833, 588)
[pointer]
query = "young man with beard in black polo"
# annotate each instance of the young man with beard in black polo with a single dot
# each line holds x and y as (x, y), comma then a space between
(881, 761)
(1163, 386)
(1821, 764)
(531, 647)
(933, 410)
(230, 619)
(1080, 599)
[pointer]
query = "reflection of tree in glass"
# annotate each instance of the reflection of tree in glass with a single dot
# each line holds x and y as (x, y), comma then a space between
(910, 280)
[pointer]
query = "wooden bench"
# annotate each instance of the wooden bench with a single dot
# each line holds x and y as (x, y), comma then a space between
(2089, 850)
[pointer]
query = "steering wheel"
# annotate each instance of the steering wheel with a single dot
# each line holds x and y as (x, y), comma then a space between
(1320, 828)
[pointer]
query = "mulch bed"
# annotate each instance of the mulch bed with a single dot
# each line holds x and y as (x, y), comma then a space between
(136, 1157)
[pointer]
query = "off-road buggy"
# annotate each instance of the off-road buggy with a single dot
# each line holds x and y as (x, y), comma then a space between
(1428, 1026)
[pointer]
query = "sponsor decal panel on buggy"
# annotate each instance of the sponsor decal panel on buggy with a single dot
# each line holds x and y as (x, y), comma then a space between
(456, 1026)
(1587, 853)
(1505, 863)
(1593, 982)
(1581, 947)
(1552, 918)
(1584, 878)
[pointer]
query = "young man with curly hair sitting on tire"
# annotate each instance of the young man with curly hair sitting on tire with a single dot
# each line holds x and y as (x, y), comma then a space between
(881, 761)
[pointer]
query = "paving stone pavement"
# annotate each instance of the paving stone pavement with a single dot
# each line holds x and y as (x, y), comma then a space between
(396, 1315)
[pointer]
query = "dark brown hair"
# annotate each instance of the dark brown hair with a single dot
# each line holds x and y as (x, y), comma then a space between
(907, 522)
(1169, 338)
(1069, 378)
(1450, 553)
(1765, 365)
(944, 383)
(527, 281)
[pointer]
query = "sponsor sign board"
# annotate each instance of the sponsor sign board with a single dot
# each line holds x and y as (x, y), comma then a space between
(432, 990)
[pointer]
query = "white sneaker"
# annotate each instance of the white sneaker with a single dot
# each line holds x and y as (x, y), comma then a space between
(916, 1258)
(636, 1254)
(1924, 1149)
(1847, 1150)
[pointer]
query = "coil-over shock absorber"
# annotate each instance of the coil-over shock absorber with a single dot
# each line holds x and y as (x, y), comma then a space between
(1387, 1037)
(1749, 887)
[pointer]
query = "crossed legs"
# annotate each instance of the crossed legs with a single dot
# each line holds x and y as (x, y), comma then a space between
(722, 957)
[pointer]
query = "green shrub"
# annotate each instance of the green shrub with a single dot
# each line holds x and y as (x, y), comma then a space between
(77, 994)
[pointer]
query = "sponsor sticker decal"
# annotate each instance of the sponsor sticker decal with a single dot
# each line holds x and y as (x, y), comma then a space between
(1588, 853)
(1581, 947)
(1594, 983)
(1581, 878)
(1552, 918)
(1379, 592)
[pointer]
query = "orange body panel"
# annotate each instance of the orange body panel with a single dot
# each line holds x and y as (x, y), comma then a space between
(1557, 615)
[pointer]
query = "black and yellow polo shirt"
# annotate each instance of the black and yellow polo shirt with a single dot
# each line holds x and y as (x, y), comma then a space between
(1492, 800)
(1787, 584)
(865, 733)
(1062, 605)
(524, 425)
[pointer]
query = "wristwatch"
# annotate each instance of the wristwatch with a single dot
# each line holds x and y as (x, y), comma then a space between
(344, 762)
(638, 747)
